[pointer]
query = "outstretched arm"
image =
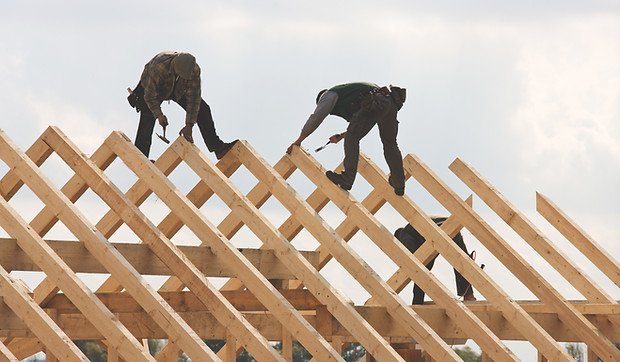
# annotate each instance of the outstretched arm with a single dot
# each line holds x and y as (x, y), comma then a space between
(323, 108)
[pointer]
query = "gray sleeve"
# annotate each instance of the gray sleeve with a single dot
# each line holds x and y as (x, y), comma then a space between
(323, 108)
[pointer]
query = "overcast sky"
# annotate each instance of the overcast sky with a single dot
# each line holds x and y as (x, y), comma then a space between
(526, 92)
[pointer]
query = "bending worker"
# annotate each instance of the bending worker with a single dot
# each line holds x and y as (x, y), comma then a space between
(174, 76)
(362, 105)
(412, 240)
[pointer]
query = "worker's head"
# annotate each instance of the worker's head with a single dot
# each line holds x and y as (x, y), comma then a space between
(397, 233)
(183, 65)
(318, 96)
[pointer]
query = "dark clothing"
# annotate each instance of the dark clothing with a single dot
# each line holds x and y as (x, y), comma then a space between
(158, 83)
(363, 107)
(147, 124)
(350, 97)
(381, 110)
(412, 240)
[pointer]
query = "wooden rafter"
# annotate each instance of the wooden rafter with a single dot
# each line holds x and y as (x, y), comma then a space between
(275, 293)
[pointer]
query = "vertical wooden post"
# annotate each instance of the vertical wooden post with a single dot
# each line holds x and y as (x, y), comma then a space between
(287, 345)
(231, 350)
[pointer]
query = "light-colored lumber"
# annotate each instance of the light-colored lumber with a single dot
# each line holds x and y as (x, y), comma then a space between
(203, 229)
(425, 253)
(458, 259)
(167, 252)
(242, 300)
(77, 257)
(533, 280)
(6, 355)
(205, 324)
(606, 263)
(37, 320)
(171, 224)
(101, 248)
(513, 261)
(53, 265)
(345, 255)
(384, 239)
(530, 233)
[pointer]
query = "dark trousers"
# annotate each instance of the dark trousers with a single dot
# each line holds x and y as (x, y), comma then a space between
(381, 110)
(147, 123)
(412, 240)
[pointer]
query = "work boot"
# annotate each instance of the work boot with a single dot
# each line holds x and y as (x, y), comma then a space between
(337, 179)
(400, 191)
(469, 295)
(219, 154)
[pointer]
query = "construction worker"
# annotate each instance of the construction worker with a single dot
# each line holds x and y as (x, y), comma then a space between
(173, 76)
(362, 105)
(412, 240)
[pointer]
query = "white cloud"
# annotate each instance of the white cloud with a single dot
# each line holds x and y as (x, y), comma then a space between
(82, 128)
(572, 86)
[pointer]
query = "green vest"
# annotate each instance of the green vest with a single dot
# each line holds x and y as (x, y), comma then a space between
(349, 97)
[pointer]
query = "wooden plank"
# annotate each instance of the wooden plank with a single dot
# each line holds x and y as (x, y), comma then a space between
(346, 256)
(6, 355)
(37, 320)
(10, 182)
(530, 233)
(384, 239)
(100, 246)
(54, 266)
(242, 300)
(535, 282)
(512, 260)
(167, 252)
(77, 257)
(202, 227)
(205, 324)
(399, 280)
(171, 224)
(23, 348)
(578, 237)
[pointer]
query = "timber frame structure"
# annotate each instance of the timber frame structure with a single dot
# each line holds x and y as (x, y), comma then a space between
(276, 292)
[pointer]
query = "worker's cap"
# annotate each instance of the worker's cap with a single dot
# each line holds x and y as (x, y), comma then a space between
(184, 65)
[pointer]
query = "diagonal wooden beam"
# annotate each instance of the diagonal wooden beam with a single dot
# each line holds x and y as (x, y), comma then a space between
(512, 260)
(6, 353)
(41, 324)
(425, 253)
(535, 282)
(459, 259)
(10, 182)
(347, 257)
(99, 246)
(578, 237)
(384, 239)
(54, 266)
(203, 229)
(530, 233)
(167, 252)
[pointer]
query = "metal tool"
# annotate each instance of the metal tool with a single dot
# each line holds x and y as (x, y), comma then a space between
(333, 139)
(322, 147)
(163, 137)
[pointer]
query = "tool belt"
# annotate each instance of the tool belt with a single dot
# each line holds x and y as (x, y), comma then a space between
(398, 94)
(136, 98)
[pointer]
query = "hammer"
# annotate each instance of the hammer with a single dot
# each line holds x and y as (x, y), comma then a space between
(163, 137)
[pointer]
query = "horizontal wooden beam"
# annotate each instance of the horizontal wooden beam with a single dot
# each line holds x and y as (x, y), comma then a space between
(80, 260)
(207, 327)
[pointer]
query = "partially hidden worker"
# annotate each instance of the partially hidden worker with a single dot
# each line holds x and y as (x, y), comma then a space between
(174, 76)
(412, 240)
(362, 105)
